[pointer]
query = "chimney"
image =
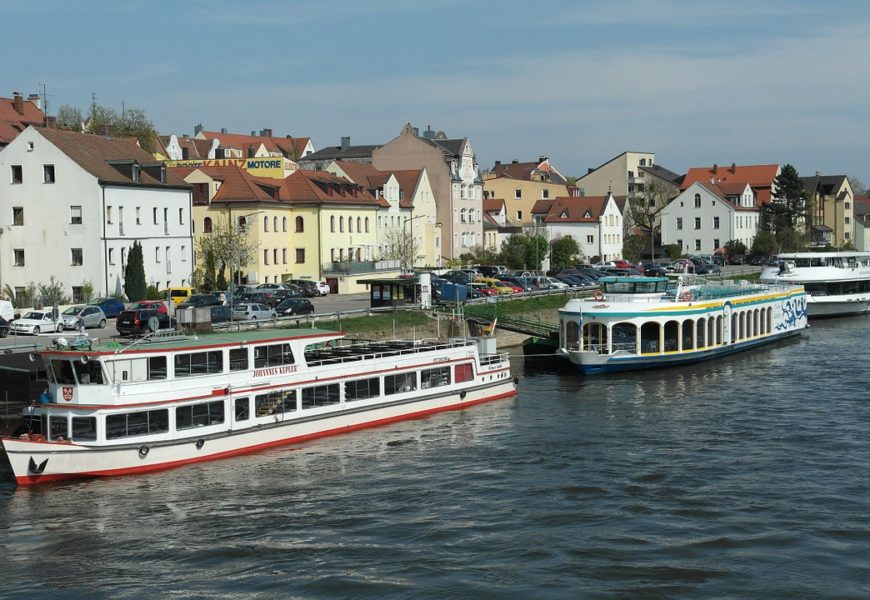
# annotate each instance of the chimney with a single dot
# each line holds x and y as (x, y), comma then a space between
(18, 103)
(197, 129)
(543, 158)
(345, 143)
(35, 100)
(734, 167)
(51, 122)
(515, 162)
(266, 133)
(715, 168)
(497, 163)
(253, 133)
(416, 132)
(223, 129)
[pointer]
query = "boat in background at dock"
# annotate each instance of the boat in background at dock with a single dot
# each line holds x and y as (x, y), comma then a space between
(838, 283)
(649, 322)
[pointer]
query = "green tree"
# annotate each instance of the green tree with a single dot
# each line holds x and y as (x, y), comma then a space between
(52, 293)
(765, 244)
(790, 206)
(87, 291)
(564, 252)
(633, 247)
(134, 273)
(735, 248)
(857, 186)
(673, 251)
(513, 251)
(481, 255)
(132, 122)
(208, 283)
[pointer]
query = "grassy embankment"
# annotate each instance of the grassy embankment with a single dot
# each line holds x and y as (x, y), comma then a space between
(432, 322)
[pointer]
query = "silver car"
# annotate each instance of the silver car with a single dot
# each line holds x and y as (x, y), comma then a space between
(252, 311)
(93, 316)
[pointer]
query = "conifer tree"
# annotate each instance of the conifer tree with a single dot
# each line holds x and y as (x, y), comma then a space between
(134, 273)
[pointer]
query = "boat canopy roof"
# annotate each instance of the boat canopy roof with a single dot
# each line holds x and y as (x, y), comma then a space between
(634, 285)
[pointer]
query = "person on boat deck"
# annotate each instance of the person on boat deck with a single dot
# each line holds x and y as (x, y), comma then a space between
(781, 268)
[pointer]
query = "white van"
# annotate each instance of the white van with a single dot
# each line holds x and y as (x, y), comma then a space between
(7, 311)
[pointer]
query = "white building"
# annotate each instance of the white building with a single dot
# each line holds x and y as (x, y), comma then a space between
(595, 223)
(706, 216)
(73, 204)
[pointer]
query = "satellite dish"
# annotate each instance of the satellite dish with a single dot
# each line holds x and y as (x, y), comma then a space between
(153, 324)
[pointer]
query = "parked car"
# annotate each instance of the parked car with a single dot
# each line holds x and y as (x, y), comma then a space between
(253, 311)
(221, 314)
(555, 284)
(201, 300)
(92, 315)
(136, 321)
(308, 287)
(4, 327)
(158, 305)
(177, 294)
(294, 306)
(111, 307)
(261, 297)
(758, 261)
(270, 286)
(322, 287)
(491, 270)
(36, 322)
(288, 292)
(655, 271)
(735, 259)
(484, 288)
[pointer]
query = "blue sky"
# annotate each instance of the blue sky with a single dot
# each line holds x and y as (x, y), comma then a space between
(696, 82)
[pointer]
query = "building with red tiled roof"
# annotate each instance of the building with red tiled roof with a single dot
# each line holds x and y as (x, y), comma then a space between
(78, 202)
(236, 145)
(595, 223)
(17, 113)
(707, 215)
(497, 226)
(759, 177)
(521, 184)
(406, 204)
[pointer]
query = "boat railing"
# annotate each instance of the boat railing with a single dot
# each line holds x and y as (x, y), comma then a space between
(369, 351)
(489, 359)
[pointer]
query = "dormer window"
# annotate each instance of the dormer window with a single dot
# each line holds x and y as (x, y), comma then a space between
(564, 214)
(136, 173)
(587, 214)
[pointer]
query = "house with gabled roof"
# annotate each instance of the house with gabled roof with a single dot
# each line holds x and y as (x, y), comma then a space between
(259, 207)
(407, 204)
(707, 215)
(759, 177)
(595, 223)
(522, 184)
(497, 226)
(833, 209)
(17, 113)
(77, 202)
(454, 175)
(621, 175)
(256, 145)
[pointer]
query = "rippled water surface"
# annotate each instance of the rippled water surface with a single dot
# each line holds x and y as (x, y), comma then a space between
(743, 478)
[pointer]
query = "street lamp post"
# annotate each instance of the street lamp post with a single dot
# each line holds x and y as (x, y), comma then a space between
(409, 244)
(235, 258)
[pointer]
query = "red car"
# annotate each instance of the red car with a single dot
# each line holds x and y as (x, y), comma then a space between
(622, 264)
(158, 305)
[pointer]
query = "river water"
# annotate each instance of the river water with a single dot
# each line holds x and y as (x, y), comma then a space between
(742, 478)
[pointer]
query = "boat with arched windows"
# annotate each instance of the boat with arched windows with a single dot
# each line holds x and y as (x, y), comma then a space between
(838, 283)
(648, 322)
(165, 401)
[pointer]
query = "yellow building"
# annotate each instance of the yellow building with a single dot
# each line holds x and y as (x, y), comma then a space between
(256, 206)
(523, 184)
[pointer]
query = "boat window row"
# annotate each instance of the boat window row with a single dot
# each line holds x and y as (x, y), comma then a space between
(271, 403)
(837, 288)
(155, 368)
(654, 337)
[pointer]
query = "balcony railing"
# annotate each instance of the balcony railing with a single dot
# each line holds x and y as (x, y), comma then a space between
(364, 266)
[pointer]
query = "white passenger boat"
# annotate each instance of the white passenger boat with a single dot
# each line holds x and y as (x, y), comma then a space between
(164, 402)
(838, 283)
(648, 322)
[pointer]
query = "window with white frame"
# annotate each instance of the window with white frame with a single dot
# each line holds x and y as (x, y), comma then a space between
(697, 200)
(715, 222)
(697, 222)
(76, 257)
(75, 215)
(679, 222)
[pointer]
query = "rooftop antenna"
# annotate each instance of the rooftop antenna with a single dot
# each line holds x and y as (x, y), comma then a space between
(44, 98)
